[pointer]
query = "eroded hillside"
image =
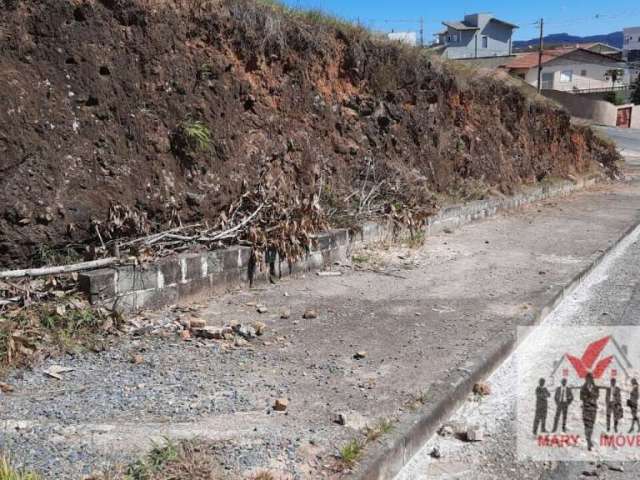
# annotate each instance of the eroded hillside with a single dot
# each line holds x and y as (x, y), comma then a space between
(121, 117)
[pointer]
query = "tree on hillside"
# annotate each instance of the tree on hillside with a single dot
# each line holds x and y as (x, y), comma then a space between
(635, 92)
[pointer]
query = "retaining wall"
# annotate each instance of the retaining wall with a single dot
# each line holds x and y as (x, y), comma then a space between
(194, 276)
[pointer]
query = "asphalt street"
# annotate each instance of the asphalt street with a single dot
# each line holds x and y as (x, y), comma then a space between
(609, 297)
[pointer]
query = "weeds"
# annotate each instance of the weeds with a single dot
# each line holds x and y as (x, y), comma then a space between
(156, 459)
(7, 472)
(351, 452)
(197, 134)
(185, 459)
(383, 427)
(48, 327)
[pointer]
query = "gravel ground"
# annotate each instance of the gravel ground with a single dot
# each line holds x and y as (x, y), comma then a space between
(419, 316)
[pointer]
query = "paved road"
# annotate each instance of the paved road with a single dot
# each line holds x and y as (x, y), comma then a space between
(628, 141)
(610, 296)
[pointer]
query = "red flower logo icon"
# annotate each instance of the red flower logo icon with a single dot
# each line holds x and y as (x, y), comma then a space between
(585, 364)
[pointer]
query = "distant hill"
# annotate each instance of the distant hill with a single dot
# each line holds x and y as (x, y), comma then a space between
(614, 39)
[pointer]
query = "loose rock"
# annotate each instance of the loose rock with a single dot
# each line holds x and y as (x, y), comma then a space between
(475, 434)
(197, 323)
(360, 355)
(309, 314)
(211, 333)
(285, 314)
(339, 418)
(482, 389)
(281, 404)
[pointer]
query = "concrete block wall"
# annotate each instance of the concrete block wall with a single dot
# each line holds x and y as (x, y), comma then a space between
(193, 276)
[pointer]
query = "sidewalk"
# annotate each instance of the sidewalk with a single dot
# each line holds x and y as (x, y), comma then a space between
(425, 320)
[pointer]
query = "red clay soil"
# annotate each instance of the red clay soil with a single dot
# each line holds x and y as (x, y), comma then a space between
(96, 96)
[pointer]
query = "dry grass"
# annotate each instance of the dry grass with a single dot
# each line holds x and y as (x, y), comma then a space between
(51, 328)
(7, 472)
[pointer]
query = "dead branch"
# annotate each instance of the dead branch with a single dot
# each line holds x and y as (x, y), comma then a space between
(76, 267)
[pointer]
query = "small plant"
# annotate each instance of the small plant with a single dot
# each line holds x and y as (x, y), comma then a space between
(7, 472)
(383, 427)
(351, 452)
(197, 134)
(156, 459)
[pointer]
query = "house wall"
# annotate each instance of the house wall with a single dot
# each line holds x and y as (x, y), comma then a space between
(598, 111)
(594, 78)
(631, 43)
(469, 43)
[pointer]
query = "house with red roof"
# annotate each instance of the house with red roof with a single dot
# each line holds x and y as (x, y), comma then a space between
(571, 69)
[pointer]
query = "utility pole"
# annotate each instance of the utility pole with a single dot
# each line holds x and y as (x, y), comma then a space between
(422, 31)
(540, 49)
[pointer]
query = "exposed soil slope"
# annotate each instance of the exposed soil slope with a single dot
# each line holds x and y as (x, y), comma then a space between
(133, 115)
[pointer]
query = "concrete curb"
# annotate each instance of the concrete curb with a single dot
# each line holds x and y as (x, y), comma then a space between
(195, 276)
(387, 458)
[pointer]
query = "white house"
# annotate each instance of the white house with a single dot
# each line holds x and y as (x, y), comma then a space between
(631, 44)
(570, 69)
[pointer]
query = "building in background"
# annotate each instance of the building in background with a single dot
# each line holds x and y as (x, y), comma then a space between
(571, 70)
(410, 38)
(479, 35)
(631, 44)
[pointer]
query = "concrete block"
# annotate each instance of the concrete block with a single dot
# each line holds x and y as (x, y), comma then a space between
(215, 262)
(341, 236)
(323, 241)
(236, 257)
(99, 284)
(132, 278)
(170, 271)
(155, 299)
(192, 263)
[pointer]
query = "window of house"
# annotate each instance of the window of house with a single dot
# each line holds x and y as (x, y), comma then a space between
(485, 41)
(583, 73)
(452, 38)
(566, 76)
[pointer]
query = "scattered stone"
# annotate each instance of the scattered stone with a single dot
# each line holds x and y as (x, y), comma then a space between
(185, 335)
(186, 323)
(285, 314)
(310, 313)
(6, 388)
(210, 333)
(360, 355)
(137, 359)
(475, 434)
(245, 332)
(261, 309)
(251, 304)
(197, 323)
(260, 328)
(331, 273)
(281, 404)
(240, 342)
(339, 418)
(55, 371)
(482, 389)
(435, 452)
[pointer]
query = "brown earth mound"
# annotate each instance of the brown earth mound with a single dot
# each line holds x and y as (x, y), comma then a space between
(129, 116)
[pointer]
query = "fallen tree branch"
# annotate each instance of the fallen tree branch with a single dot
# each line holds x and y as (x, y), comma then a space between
(228, 233)
(76, 267)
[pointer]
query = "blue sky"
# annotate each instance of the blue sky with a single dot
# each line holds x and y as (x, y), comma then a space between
(585, 17)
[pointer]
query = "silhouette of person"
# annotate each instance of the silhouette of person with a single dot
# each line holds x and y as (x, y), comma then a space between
(589, 396)
(540, 420)
(633, 404)
(613, 401)
(563, 397)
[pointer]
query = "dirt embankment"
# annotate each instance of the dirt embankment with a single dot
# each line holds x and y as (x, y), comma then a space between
(132, 115)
